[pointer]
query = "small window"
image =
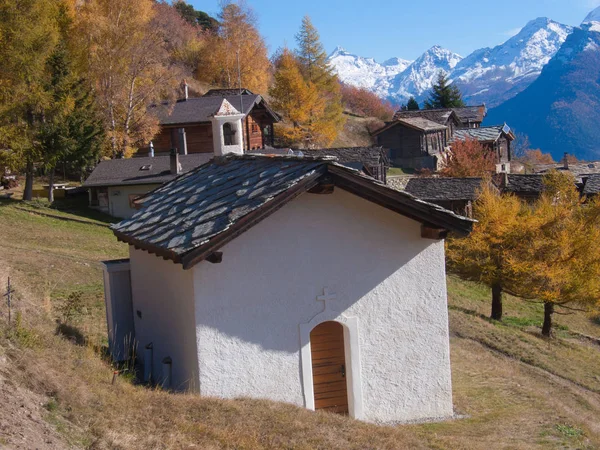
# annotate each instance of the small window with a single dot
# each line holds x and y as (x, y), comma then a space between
(146, 167)
(255, 128)
(228, 134)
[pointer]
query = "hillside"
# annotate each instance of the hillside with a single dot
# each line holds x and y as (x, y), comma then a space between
(512, 389)
(561, 109)
(355, 132)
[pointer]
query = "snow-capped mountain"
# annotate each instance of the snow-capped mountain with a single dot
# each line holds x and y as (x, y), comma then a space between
(560, 110)
(593, 20)
(366, 72)
(488, 75)
(418, 78)
(493, 75)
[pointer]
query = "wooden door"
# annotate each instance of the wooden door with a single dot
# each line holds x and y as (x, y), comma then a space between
(329, 367)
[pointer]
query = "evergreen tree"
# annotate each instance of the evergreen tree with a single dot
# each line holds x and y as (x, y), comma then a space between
(412, 105)
(313, 64)
(199, 18)
(444, 95)
(72, 131)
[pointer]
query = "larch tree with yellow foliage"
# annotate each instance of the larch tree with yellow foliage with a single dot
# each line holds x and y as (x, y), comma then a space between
(297, 100)
(558, 262)
(237, 39)
(316, 70)
(484, 256)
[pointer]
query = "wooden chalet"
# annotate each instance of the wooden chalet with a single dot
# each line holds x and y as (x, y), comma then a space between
(416, 138)
(186, 124)
(465, 117)
(496, 138)
(414, 142)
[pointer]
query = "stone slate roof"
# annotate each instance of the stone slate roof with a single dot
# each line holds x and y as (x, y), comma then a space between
(226, 92)
(194, 215)
(471, 114)
(123, 172)
(591, 184)
(420, 124)
(482, 134)
(524, 184)
(200, 109)
(580, 168)
(465, 115)
(444, 189)
(367, 156)
(439, 116)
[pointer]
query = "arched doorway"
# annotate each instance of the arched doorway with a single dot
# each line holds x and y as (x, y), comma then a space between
(329, 367)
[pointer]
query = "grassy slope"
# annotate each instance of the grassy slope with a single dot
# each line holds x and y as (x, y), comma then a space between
(515, 389)
(355, 133)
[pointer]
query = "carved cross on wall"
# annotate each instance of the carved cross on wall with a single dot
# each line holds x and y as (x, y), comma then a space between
(327, 296)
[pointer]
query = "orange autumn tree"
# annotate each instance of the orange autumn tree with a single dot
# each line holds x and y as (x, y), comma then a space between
(128, 63)
(237, 39)
(297, 101)
(483, 256)
(364, 102)
(558, 263)
(468, 158)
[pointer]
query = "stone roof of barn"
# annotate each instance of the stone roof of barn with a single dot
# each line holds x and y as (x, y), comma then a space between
(444, 189)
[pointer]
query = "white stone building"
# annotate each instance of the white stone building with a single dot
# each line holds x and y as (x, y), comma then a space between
(293, 279)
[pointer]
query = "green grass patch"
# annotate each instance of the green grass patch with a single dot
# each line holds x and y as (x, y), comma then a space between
(522, 321)
(399, 171)
(569, 431)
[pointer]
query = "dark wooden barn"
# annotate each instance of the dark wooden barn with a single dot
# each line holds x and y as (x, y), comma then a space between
(495, 138)
(414, 143)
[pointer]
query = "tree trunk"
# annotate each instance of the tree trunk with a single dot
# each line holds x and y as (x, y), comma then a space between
(51, 186)
(497, 301)
(28, 193)
(547, 327)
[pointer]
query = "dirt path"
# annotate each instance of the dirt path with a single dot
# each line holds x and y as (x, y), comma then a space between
(22, 424)
(22, 412)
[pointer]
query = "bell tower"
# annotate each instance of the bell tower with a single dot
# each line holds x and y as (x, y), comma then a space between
(228, 135)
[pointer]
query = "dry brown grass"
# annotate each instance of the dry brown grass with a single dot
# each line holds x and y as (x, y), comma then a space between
(355, 133)
(518, 391)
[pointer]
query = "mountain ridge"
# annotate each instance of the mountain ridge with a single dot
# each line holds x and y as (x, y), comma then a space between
(487, 75)
(560, 110)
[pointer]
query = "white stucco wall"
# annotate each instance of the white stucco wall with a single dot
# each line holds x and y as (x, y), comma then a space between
(390, 281)
(118, 198)
(163, 293)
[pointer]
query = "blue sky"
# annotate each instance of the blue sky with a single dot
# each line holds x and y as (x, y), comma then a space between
(405, 28)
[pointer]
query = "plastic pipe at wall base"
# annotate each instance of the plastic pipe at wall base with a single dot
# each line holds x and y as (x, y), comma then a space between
(167, 368)
(148, 360)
